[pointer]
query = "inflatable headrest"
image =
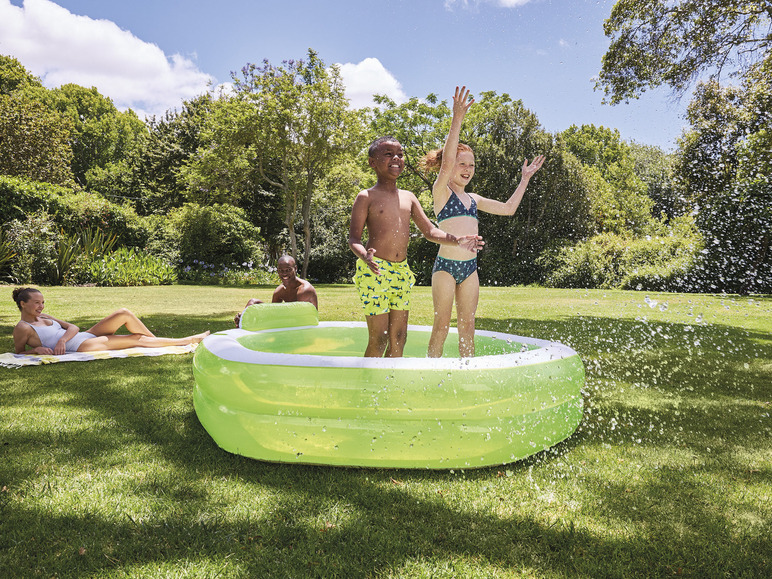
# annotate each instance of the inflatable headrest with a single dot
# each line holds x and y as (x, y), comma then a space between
(281, 315)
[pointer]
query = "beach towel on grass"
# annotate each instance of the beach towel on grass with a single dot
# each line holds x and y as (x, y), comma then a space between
(10, 360)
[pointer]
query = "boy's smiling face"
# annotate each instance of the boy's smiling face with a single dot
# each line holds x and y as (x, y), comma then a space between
(389, 160)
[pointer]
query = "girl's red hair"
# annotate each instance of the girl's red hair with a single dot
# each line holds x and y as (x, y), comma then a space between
(432, 161)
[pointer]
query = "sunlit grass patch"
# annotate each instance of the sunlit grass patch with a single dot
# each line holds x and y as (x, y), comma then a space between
(106, 471)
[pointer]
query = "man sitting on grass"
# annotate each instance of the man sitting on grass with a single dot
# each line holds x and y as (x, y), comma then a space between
(291, 289)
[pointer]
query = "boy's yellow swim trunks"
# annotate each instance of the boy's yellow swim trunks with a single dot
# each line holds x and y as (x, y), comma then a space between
(385, 292)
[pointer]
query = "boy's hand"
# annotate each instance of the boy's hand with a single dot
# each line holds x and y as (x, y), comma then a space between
(529, 170)
(472, 243)
(460, 104)
(370, 263)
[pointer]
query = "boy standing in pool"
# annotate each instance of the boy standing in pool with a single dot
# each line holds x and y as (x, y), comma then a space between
(383, 277)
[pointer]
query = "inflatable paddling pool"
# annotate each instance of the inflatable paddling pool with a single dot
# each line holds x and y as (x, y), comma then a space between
(288, 388)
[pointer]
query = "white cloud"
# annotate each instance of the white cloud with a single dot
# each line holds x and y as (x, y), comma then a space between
(368, 78)
(563, 43)
(61, 47)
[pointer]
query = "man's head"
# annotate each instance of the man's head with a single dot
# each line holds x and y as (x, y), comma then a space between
(286, 268)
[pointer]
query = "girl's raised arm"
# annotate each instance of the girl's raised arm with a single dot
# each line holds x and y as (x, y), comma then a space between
(461, 104)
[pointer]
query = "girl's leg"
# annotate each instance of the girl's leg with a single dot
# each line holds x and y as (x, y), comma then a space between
(121, 342)
(467, 296)
(443, 290)
(118, 318)
(397, 333)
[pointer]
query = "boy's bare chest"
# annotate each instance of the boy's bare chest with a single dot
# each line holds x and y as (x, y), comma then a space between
(390, 208)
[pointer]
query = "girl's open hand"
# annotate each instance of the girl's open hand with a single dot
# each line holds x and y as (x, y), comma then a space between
(529, 170)
(461, 102)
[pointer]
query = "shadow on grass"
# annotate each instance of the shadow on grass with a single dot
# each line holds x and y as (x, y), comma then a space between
(663, 396)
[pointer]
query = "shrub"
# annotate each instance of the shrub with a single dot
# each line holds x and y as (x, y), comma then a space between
(127, 267)
(76, 252)
(219, 235)
(72, 210)
(6, 254)
(237, 274)
(34, 241)
(662, 261)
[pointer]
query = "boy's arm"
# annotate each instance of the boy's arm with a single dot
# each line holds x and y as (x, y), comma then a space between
(461, 104)
(356, 229)
(437, 235)
(497, 207)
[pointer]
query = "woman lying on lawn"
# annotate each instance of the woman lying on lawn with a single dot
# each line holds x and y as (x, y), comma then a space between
(47, 335)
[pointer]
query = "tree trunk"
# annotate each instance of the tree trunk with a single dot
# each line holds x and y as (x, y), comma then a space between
(306, 213)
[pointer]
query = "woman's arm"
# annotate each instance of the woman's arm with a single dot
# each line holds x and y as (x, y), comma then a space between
(70, 331)
(510, 206)
(461, 104)
(21, 336)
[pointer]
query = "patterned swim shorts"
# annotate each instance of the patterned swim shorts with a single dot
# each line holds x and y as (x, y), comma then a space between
(385, 292)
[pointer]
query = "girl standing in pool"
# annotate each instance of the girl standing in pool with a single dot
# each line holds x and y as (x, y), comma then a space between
(454, 275)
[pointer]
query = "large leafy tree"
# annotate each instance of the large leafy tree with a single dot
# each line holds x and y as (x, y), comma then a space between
(172, 141)
(555, 208)
(673, 42)
(724, 167)
(34, 141)
(103, 139)
(285, 127)
(13, 76)
(619, 199)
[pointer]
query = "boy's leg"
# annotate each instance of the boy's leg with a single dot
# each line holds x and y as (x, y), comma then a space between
(377, 335)
(443, 291)
(397, 333)
(467, 296)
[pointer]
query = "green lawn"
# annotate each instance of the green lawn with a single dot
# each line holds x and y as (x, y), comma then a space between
(106, 471)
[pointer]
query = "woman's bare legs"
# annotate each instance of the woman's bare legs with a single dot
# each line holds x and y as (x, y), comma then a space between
(139, 336)
(467, 296)
(121, 342)
(116, 320)
(443, 292)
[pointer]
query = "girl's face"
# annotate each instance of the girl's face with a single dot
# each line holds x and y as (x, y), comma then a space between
(464, 169)
(34, 305)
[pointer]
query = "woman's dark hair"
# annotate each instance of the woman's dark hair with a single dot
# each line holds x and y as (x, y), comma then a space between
(22, 294)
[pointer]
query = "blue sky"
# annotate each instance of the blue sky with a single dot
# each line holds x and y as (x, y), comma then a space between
(151, 54)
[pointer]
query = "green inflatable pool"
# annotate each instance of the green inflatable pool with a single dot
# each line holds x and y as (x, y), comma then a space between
(295, 390)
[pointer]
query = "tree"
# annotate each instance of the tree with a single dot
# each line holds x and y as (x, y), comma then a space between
(284, 128)
(555, 208)
(103, 139)
(13, 76)
(725, 163)
(655, 168)
(671, 42)
(619, 199)
(171, 142)
(34, 141)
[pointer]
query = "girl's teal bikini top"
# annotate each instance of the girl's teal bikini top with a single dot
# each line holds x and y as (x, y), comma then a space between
(454, 208)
